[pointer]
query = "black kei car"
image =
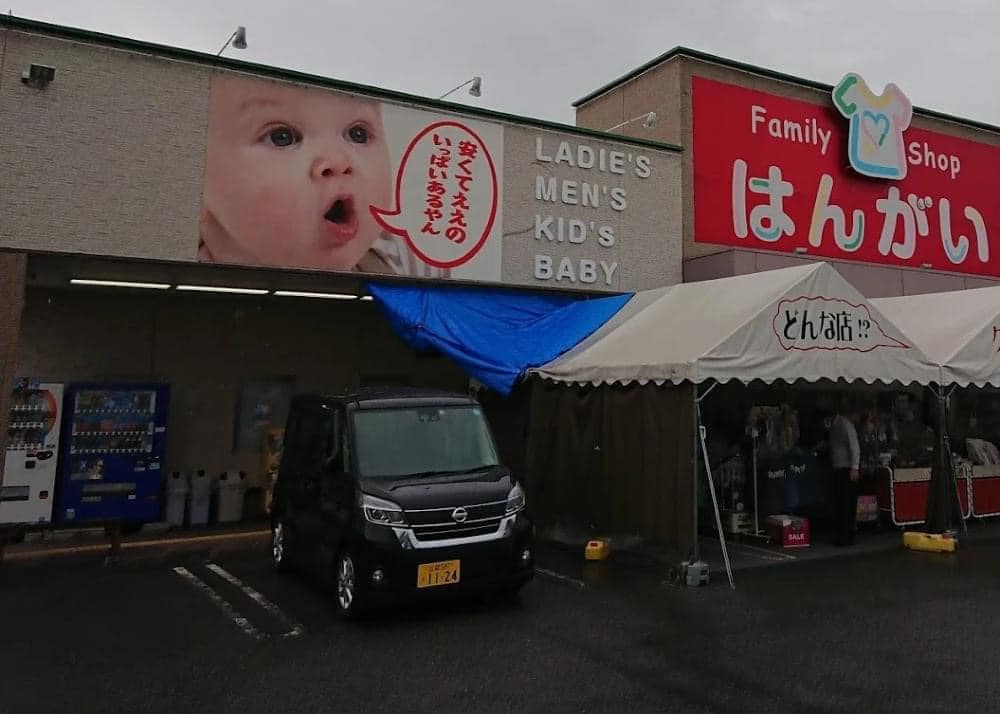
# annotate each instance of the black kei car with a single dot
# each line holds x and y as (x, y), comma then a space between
(398, 492)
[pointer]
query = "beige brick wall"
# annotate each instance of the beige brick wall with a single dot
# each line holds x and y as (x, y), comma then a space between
(205, 347)
(657, 90)
(108, 158)
(665, 89)
(647, 248)
(656, 261)
(13, 268)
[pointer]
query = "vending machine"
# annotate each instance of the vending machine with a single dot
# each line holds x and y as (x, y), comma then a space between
(29, 472)
(111, 465)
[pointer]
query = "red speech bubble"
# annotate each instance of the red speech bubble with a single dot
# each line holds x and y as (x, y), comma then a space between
(821, 323)
(446, 195)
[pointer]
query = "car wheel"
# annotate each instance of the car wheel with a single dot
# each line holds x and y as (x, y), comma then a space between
(350, 600)
(281, 551)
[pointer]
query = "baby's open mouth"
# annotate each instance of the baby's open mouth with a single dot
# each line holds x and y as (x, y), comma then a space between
(341, 212)
(341, 221)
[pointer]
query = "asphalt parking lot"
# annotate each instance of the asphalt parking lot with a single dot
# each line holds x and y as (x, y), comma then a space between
(221, 632)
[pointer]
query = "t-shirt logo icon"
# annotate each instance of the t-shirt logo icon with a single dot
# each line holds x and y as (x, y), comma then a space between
(875, 144)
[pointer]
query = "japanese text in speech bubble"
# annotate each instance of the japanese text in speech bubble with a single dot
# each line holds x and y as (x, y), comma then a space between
(819, 323)
(446, 195)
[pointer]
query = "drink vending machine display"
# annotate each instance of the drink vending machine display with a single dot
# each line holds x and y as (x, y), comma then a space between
(112, 456)
(29, 472)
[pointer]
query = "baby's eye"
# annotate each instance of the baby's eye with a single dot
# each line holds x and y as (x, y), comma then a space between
(358, 134)
(284, 136)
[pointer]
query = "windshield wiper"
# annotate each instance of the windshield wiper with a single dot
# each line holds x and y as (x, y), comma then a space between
(481, 467)
(445, 472)
(420, 474)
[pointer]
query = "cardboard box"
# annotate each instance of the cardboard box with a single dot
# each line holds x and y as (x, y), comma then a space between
(734, 522)
(789, 531)
(867, 509)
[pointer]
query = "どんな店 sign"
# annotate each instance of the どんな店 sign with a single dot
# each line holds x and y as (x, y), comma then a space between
(776, 174)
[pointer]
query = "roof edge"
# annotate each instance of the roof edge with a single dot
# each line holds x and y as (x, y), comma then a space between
(674, 382)
(14, 22)
(681, 51)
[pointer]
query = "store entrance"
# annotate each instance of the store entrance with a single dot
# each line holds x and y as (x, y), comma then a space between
(778, 438)
(156, 394)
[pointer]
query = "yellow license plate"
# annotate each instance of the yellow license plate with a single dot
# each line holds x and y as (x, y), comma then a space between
(446, 572)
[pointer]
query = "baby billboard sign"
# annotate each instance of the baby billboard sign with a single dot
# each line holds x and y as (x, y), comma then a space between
(319, 179)
(302, 177)
(772, 173)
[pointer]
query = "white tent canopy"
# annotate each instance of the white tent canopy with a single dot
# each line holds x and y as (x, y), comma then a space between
(803, 323)
(960, 331)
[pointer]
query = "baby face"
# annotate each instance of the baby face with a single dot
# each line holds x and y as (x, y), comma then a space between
(290, 174)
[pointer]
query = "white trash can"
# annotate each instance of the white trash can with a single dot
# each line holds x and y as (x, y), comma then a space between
(232, 488)
(177, 491)
(201, 498)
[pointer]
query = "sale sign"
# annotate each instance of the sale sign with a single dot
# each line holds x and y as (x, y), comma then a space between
(849, 180)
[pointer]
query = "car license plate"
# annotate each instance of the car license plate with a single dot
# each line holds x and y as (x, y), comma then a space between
(445, 572)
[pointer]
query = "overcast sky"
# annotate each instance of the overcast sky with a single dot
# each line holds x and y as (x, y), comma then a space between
(537, 56)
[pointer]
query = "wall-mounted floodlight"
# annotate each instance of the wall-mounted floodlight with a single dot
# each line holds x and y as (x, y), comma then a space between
(38, 76)
(648, 119)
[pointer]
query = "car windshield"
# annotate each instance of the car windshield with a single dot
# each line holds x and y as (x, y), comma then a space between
(400, 442)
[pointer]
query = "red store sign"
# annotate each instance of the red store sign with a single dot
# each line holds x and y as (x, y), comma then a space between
(774, 174)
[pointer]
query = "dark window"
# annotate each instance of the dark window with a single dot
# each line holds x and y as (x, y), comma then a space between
(307, 441)
(289, 467)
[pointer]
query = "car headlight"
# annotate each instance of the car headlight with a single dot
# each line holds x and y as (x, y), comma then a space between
(515, 499)
(382, 512)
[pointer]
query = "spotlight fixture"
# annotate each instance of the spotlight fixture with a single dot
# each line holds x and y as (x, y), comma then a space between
(38, 76)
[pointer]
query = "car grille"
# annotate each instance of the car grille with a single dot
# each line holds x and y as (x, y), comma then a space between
(438, 523)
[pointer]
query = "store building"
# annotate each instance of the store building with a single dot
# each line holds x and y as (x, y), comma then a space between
(238, 194)
(738, 123)
(190, 173)
(780, 171)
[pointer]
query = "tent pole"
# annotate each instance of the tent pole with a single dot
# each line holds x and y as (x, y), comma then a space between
(944, 399)
(961, 513)
(939, 513)
(756, 511)
(715, 501)
(695, 423)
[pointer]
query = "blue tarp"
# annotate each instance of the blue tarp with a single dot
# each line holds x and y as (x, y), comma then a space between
(495, 335)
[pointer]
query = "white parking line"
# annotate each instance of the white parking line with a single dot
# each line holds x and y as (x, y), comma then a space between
(564, 578)
(294, 628)
(772, 554)
(222, 604)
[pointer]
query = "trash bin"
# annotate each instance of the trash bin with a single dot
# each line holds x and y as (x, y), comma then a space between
(177, 491)
(232, 488)
(201, 498)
